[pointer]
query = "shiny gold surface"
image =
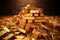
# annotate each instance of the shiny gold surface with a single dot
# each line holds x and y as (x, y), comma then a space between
(30, 24)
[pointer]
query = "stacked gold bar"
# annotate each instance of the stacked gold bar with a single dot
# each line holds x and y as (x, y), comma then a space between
(30, 24)
(35, 15)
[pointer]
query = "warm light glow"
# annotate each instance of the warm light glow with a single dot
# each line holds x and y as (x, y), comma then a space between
(33, 38)
(28, 5)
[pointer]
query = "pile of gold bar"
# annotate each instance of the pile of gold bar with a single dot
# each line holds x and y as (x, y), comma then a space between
(30, 24)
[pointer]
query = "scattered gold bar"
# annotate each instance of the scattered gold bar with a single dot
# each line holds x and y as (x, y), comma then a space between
(26, 38)
(39, 21)
(20, 37)
(9, 36)
(17, 39)
(33, 39)
(16, 32)
(35, 34)
(6, 29)
(45, 26)
(23, 20)
(2, 32)
(22, 30)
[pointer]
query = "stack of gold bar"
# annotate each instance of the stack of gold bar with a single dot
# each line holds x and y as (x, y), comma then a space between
(30, 24)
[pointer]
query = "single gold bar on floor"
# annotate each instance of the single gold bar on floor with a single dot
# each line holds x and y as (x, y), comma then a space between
(9, 36)
(2, 32)
(5, 30)
(22, 30)
(26, 38)
(33, 39)
(20, 37)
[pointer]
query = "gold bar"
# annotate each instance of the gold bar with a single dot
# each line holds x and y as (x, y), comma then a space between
(9, 36)
(2, 32)
(33, 39)
(46, 27)
(28, 15)
(26, 38)
(30, 21)
(34, 11)
(20, 37)
(23, 20)
(17, 39)
(22, 30)
(16, 32)
(36, 14)
(39, 20)
(6, 29)
(32, 18)
(39, 17)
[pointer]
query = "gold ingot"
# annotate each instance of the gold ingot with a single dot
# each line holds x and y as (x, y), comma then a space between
(6, 29)
(20, 37)
(33, 39)
(22, 30)
(23, 20)
(9, 36)
(30, 21)
(16, 32)
(34, 11)
(26, 38)
(39, 18)
(36, 14)
(31, 18)
(39, 21)
(2, 32)
(28, 15)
